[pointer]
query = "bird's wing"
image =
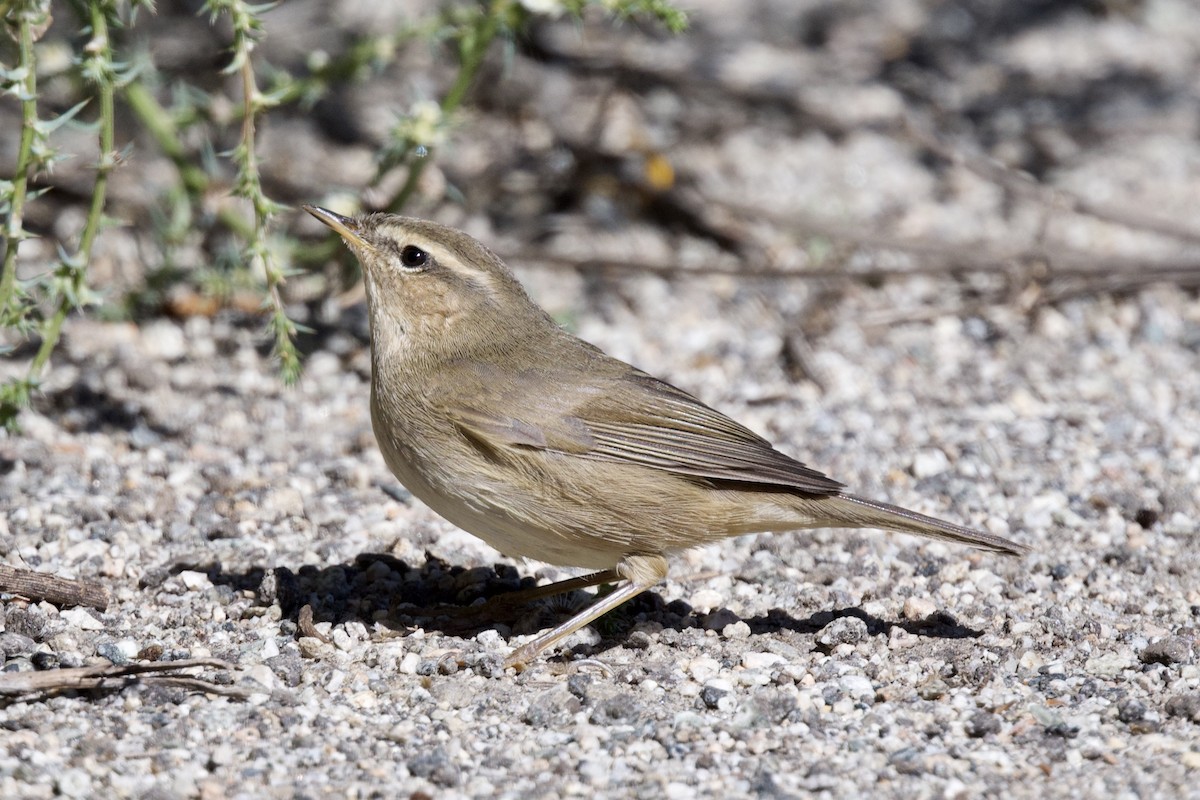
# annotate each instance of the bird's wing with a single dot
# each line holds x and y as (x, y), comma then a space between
(633, 418)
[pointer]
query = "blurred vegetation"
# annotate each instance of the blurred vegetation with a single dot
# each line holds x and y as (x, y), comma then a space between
(174, 112)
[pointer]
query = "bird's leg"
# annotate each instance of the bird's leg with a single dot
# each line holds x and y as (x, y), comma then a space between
(522, 596)
(503, 603)
(641, 572)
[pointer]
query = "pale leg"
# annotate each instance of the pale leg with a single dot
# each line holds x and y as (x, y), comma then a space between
(520, 596)
(642, 572)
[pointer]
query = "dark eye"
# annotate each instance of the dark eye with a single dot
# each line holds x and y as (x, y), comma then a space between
(413, 257)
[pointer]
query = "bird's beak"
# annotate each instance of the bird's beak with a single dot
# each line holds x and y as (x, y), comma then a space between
(346, 227)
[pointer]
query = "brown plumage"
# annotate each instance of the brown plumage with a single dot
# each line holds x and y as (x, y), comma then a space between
(545, 447)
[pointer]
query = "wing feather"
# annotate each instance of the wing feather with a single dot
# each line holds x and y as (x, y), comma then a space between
(642, 420)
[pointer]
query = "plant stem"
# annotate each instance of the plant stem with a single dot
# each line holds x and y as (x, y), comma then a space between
(162, 127)
(14, 232)
(474, 49)
(75, 269)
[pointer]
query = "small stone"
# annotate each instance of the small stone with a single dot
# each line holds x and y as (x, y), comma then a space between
(919, 608)
(128, 648)
(112, 652)
(434, 766)
(74, 783)
(163, 340)
(929, 462)
(705, 600)
(738, 630)
(193, 580)
(981, 723)
(932, 689)
(843, 630)
(222, 755)
(409, 664)
(287, 666)
(1168, 651)
(1107, 665)
(14, 644)
(29, 621)
(761, 660)
(1131, 710)
(858, 687)
(44, 659)
(1186, 706)
(703, 668)
(310, 646)
(716, 694)
(281, 503)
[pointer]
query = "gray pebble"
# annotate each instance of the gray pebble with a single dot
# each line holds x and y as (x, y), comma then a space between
(843, 630)
(982, 723)
(1186, 706)
(1168, 651)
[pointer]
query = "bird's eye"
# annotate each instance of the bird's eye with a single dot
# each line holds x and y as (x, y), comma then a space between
(413, 257)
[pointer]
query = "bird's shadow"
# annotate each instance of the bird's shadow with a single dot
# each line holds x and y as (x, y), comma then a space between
(460, 601)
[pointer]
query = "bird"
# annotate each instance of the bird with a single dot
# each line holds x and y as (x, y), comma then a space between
(546, 448)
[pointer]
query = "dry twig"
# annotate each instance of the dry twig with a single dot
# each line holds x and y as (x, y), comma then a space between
(116, 676)
(39, 586)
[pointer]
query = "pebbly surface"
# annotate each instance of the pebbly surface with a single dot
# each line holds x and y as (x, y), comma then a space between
(165, 461)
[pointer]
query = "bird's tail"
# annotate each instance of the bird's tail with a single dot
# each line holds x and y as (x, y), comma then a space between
(863, 513)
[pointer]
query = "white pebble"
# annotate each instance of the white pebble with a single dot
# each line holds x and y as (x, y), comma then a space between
(736, 630)
(761, 660)
(929, 462)
(919, 608)
(408, 664)
(194, 580)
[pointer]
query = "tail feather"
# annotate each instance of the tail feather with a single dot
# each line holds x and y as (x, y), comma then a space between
(875, 514)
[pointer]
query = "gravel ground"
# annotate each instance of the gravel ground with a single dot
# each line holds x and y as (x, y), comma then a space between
(166, 462)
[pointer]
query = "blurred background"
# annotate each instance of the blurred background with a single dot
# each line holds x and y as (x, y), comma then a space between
(990, 154)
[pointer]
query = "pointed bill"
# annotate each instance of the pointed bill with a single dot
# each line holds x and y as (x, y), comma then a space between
(346, 227)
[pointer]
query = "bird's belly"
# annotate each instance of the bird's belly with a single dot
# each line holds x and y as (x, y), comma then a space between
(512, 522)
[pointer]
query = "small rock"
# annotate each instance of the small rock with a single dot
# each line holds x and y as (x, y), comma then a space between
(29, 622)
(287, 666)
(843, 630)
(705, 600)
(74, 783)
(737, 630)
(311, 646)
(929, 462)
(1168, 651)
(409, 664)
(163, 340)
(918, 608)
(434, 766)
(194, 580)
(858, 687)
(280, 503)
(45, 659)
(703, 668)
(932, 689)
(981, 723)
(1131, 710)
(717, 694)
(1107, 665)
(128, 648)
(113, 652)
(1185, 705)
(761, 660)
(14, 644)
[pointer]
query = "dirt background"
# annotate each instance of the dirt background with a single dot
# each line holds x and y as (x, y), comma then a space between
(943, 251)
